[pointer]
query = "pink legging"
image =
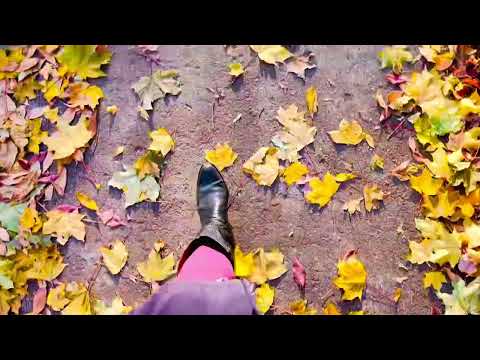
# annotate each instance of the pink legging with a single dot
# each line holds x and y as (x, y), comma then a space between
(207, 264)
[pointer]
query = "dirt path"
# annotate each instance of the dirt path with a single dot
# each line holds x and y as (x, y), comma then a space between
(346, 78)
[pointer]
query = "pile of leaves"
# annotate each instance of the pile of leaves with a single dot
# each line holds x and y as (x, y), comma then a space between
(439, 98)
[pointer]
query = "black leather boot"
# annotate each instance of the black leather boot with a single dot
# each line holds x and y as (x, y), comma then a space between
(212, 205)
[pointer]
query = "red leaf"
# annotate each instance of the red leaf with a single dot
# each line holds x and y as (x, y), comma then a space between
(299, 274)
(39, 300)
(396, 79)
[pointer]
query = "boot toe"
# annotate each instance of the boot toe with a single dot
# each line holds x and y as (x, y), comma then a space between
(208, 174)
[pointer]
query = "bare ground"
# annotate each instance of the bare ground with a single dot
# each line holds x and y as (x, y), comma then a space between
(346, 78)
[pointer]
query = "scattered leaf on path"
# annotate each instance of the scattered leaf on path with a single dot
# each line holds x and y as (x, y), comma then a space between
(263, 166)
(311, 100)
(156, 268)
(271, 54)
(264, 297)
(115, 257)
(86, 201)
(352, 278)
(299, 274)
(236, 69)
(372, 195)
(222, 157)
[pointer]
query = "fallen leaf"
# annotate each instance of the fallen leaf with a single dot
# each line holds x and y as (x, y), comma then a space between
(79, 304)
(4, 236)
(294, 172)
(377, 162)
(161, 141)
(264, 297)
(37, 135)
(62, 225)
(404, 171)
(68, 138)
(394, 57)
(86, 201)
(244, 264)
(26, 89)
(352, 278)
(300, 307)
(135, 189)
(236, 69)
(434, 279)
(109, 218)
(148, 164)
(158, 245)
(439, 166)
(39, 300)
(352, 206)
(119, 150)
(115, 257)
(372, 195)
(83, 60)
(295, 135)
(57, 299)
(359, 312)
(10, 216)
(311, 100)
(117, 307)
(350, 133)
(267, 266)
(46, 263)
(343, 177)
(299, 274)
(263, 166)
(464, 300)
(155, 268)
(298, 65)
(81, 94)
(51, 114)
(397, 294)
(151, 88)
(271, 54)
(322, 191)
(112, 109)
(8, 154)
(222, 157)
(331, 309)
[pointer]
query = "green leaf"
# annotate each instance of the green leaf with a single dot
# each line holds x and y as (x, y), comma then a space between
(84, 60)
(135, 190)
(10, 216)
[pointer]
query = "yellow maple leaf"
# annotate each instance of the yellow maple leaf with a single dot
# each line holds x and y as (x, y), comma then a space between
(322, 191)
(263, 166)
(37, 135)
(81, 94)
(68, 138)
(264, 297)
(439, 166)
(243, 263)
(161, 141)
(155, 268)
(300, 307)
(30, 220)
(331, 309)
(295, 135)
(86, 201)
(311, 100)
(342, 177)
(294, 172)
(57, 297)
(377, 162)
(117, 307)
(79, 304)
(372, 195)
(397, 293)
(352, 206)
(350, 133)
(115, 257)
(438, 245)
(83, 60)
(352, 278)
(394, 57)
(267, 266)
(442, 205)
(62, 225)
(222, 157)
(112, 109)
(51, 114)
(434, 279)
(271, 54)
(236, 69)
(26, 89)
(425, 183)
(148, 164)
(46, 263)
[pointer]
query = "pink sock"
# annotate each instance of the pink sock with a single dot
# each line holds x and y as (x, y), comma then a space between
(206, 264)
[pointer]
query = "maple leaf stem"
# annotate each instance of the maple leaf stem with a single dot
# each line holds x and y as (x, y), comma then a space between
(94, 276)
(397, 128)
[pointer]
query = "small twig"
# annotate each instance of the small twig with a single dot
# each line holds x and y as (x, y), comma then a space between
(94, 276)
(397, 128)
(261, 112)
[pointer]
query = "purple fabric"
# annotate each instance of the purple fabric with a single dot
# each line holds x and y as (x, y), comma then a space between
(230, 297)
